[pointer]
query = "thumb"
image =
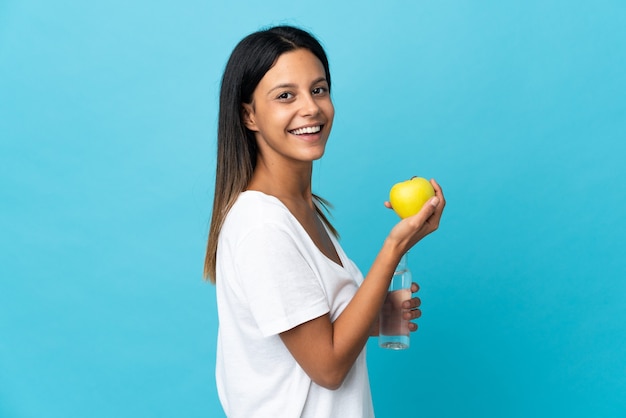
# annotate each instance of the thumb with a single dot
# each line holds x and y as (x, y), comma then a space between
(427, 210)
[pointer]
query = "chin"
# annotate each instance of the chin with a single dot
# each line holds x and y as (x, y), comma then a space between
(317, 154)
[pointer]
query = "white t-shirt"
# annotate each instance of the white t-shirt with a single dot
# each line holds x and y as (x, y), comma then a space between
(271, 277)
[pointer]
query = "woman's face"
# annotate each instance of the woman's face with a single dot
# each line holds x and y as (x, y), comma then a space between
(291, 112)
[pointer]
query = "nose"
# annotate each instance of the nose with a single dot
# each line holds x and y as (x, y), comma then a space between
(309, 107)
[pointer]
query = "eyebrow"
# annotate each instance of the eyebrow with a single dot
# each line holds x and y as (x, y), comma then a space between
(292, 85)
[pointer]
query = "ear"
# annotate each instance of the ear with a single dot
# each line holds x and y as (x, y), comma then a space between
(248, 117)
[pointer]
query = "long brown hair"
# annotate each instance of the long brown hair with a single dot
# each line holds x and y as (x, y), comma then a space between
(236, 145)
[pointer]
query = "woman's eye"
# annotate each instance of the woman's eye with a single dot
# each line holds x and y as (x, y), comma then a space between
(319, 90)
(285, 96)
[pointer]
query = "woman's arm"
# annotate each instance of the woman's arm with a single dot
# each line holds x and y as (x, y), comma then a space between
(327, 350)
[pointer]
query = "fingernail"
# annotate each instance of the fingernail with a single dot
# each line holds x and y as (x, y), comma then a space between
(434, 201)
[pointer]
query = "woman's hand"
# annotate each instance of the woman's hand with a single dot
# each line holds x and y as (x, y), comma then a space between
(412, 229)
(413, 308)
(413, 312)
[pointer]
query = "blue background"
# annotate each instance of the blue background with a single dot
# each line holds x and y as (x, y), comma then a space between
(107, 140)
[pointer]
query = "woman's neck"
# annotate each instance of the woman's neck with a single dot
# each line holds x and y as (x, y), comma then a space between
(284, 181)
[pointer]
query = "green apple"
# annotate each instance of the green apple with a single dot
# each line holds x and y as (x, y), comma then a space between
(408, 197)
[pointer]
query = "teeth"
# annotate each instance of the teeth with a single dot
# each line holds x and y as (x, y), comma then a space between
(307, 130)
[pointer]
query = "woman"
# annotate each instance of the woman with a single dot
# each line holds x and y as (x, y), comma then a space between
(293, 320)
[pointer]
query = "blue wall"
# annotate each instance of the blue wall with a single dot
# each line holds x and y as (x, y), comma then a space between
(107, 142)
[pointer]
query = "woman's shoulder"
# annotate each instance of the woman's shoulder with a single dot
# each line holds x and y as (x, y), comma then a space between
(254, 208)
(258, 203)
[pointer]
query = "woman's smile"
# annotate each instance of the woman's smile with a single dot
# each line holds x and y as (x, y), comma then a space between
(307, 130)
(309, 133)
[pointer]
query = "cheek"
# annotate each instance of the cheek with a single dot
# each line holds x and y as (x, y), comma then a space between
(279, 116)
(330, 113)
(272, 118)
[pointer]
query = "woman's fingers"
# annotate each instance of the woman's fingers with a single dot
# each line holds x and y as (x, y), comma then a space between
(439, 194)
(412, 303)
(412, 314)
(412, 308)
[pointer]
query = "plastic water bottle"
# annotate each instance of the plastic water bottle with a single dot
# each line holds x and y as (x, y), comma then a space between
(394, 329)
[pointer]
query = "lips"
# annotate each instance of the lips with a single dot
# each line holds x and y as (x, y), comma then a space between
(306, 130)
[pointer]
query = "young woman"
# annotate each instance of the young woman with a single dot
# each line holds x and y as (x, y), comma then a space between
(295, 313)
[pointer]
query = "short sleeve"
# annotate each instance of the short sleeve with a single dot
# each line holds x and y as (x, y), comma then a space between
(279, 284)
